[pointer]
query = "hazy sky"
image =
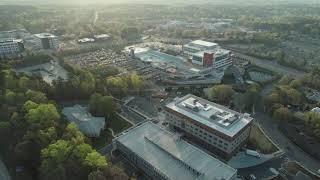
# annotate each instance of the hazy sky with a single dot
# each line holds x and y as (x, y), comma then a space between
(79, 2)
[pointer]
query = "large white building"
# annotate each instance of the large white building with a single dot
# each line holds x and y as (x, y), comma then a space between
(163, 156)
(47, 41)
(10, 47)
(207, 54)
(215, 126)
(197, 46)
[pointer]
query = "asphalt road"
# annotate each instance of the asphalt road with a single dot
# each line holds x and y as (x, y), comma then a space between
(292, 151)
(272, 65)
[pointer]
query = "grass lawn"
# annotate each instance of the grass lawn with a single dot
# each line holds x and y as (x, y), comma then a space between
(118, 124)
(259, 141)
(104, 139)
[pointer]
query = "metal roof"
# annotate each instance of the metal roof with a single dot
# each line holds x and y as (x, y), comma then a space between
(172, 157)
(87, 124)
(210, 114)
(48, 71)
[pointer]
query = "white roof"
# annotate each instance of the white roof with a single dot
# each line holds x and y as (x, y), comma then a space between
(101, 36)
(210, 114)
(316, 109)
(45, 35)
(203, 43)
(172, 157)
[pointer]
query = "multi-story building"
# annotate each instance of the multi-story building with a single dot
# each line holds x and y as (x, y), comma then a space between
(197, 46)
(163, 156)
(214, 126)
(17, 33)
(47, 41)
(217, 58)
(207, 54)
(10, 47)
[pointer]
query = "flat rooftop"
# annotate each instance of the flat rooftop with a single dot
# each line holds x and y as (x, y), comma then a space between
(173, 157)
(210, 114)
(203, 43)
(165, 61)
(216, 52)
(45, 35)
(9, 40)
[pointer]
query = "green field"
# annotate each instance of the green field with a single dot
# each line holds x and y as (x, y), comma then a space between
(118, 124)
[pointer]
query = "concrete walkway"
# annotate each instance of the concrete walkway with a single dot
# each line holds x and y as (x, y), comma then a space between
(4, 174)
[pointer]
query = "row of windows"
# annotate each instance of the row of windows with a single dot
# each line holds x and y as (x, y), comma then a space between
(206, 136)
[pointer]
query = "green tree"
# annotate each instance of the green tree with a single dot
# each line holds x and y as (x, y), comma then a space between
(36, 96)
(294, 96)
(10, 97)
(54, 156)
(96, 175)
(45, 114)
(24, 83)
(101, 105)
(29, 105)
(73, 134)
(283, 114)
(221, 93)
(95, 160)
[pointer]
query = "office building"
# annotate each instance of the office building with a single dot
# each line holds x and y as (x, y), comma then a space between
(15, 34)
(47, 41)
(10, 47)
(214, 126)
(197, 46)
(164, 156)
(207, 54)
(218, 58)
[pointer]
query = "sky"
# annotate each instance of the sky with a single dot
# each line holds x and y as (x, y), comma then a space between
(83, 2)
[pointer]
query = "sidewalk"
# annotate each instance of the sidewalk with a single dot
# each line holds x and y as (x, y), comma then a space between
(4, 174)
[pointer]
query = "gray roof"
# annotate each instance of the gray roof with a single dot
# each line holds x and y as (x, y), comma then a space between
(210, 114)
(172, 157)
(87, 124)
(45, 35)
(48, 71)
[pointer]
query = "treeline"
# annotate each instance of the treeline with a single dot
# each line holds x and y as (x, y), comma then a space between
(287, 98)
(37, 142)
(82, 84)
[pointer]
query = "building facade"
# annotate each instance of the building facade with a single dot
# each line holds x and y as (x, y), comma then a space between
(47, 41)
(216, 127)
(10, 47)
(207, 54)
(163, 155)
